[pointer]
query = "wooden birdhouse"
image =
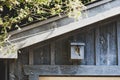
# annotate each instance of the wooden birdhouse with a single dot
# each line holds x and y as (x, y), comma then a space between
(77, 50)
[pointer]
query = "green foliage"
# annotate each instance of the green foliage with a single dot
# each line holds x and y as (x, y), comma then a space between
(14, 13)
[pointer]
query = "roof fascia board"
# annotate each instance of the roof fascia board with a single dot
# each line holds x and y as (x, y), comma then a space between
(97, 4)
(37, 24)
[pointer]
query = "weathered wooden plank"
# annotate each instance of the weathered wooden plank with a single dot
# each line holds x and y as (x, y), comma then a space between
(118, 41)
(87, 38)
(62, 52)
(46, 54)
(89, 48)
(80, 38)
(33, 77)
(98, 3)
(97, 46)
(15, 66)
(11, 71)
(24, 56)
(73, 70)
(31, 56)
(38, 56)
(112, 45)
(53, 53)
(42, 55)
(106, 45)
(37, 24)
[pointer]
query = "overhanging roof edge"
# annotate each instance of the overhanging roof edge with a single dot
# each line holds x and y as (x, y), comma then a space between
(68, 28)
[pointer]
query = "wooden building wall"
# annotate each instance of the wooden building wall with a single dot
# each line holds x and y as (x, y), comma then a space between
(102, 48)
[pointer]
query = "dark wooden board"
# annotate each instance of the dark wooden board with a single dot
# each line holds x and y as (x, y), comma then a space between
(89, 48)
(42, 55)
(80, 38)
(118, 41)
(62, 52)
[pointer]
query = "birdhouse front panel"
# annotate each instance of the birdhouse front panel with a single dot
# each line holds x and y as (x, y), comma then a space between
(77, 50)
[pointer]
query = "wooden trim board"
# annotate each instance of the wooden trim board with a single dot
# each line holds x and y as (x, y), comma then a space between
(71, 70)
(79, 78)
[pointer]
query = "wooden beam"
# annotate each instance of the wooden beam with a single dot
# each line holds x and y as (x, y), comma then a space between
(34, 25)
(55, 18)
(73, 70)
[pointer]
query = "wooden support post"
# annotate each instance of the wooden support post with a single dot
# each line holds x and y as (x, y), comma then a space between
(118, 41)
(30, 56)
(52, 53)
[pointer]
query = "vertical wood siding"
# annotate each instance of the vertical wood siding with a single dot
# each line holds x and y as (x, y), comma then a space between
(100, 47)
(89, 48)
(106, 51)
(42, 55)
(118, 41)
(62, 51)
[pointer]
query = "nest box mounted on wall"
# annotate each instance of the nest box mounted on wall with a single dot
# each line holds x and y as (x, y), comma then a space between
(77, 50)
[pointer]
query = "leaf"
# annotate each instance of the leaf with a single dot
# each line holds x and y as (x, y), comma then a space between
(1, 21)
(1, 8)
(30, 19)
(17, 27)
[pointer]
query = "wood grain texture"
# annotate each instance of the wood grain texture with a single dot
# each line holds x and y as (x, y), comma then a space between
(89, 48)
(31, 56)
(42, 55)
(80, 38)
(79, 78)
(33, 77)
(97, 46)
(106, 50)
(62, 52)
(72, 70)
(112, 45)
(52, 46)
(118, 41)
(104, 45)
